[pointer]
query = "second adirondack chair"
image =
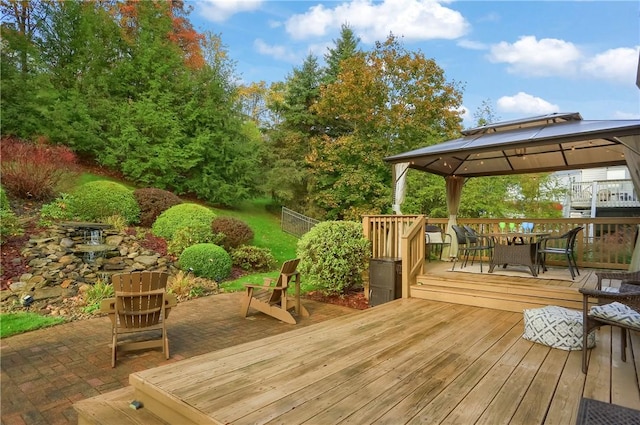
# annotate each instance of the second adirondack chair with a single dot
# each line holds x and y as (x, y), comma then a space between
(271, 297)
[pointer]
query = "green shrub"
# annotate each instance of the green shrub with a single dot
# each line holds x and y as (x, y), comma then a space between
(9, 225)
(253, 258)
(333, 255)
(99, 291)
(206, 260)
(99, 199)
(9, 222)
(118, 222)
(56, 210)
(187, 236)
(180, 216)
(4, 200)
(235, 232)
(153, 202)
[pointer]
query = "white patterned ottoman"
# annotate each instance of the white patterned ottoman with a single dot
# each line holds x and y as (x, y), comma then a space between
(556, 327)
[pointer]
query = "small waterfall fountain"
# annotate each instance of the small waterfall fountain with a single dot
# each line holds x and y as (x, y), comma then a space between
(93, 237)
(93, 247)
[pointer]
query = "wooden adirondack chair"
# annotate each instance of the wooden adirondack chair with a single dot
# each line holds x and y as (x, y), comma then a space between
(140, 306)
(271, 297)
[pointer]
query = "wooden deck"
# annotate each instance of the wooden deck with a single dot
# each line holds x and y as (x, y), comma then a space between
(409, 361)
(513, 292)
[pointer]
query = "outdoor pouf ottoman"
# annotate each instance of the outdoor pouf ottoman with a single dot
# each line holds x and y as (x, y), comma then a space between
(556, 327)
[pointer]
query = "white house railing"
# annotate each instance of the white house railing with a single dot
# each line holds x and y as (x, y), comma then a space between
(603, 194)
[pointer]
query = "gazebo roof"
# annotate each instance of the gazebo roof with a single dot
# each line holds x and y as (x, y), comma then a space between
(554, 142)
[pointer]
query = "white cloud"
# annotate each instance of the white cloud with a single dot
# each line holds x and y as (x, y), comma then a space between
(618, 65)
(531, 57)
(221, 10)
(275, 51)
(373, 21)
(552, 57)
(465, 114)
(526, 103)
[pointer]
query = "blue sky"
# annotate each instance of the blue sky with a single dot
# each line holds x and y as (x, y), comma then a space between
(525, 57)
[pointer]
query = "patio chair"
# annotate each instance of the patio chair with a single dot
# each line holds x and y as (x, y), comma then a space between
(560, 245)
(435, 238)
(621, 309)
(625, 278)
(271, 297)
(470, 241)
(139, 307)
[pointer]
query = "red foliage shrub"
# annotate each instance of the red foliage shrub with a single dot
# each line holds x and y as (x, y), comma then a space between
(153, 202)
(34, 170)
(150, 241)
(236, 232)
(155, 243)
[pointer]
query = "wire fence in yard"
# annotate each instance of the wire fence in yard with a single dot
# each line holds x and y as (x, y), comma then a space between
(295, 223)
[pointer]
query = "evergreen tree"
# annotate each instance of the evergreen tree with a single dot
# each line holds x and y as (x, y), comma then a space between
(346, 46)
(289, 141)
(21, 79)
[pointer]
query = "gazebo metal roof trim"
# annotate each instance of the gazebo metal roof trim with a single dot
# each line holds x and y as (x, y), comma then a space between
(554, 142)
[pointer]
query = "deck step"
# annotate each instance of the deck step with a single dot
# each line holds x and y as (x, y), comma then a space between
(494, 294)
(114, 408)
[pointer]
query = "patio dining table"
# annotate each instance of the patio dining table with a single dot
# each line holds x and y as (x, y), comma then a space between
(506, 251)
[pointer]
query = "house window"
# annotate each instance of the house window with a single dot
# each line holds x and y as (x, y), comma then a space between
(616, 174)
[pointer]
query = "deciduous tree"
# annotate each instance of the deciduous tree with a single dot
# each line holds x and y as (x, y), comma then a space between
(393, 100)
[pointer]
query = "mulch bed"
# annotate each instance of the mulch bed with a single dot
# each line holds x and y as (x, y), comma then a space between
(353, 299)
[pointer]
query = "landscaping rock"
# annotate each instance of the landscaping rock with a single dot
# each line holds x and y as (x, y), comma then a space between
(61, 262)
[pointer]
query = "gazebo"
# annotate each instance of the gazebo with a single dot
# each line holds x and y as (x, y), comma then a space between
(546, 143)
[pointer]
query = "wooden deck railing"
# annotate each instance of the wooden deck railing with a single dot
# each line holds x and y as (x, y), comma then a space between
(605, 243)
(413, 246)
(385, 233)
(398, 236)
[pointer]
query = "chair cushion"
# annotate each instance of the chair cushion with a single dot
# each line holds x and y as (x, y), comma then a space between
(617, 312)
(612, 289)
(434, 237)
(556, 327)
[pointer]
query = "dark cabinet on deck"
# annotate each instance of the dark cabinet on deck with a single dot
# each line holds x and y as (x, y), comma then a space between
(385, 280)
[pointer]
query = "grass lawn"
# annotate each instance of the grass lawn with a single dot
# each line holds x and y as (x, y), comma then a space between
(267, 234)
(15, 323)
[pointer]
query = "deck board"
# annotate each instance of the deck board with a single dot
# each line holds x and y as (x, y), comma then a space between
(408, 361)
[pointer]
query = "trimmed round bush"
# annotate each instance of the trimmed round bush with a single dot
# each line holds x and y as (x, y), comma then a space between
(187, 236)
(333, 255)
(179, 216)
(153, 202)
(100, 199)
(207, 260)
(234, 232)
(253, 258)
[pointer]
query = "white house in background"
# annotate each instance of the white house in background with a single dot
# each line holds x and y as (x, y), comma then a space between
(599, 192)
